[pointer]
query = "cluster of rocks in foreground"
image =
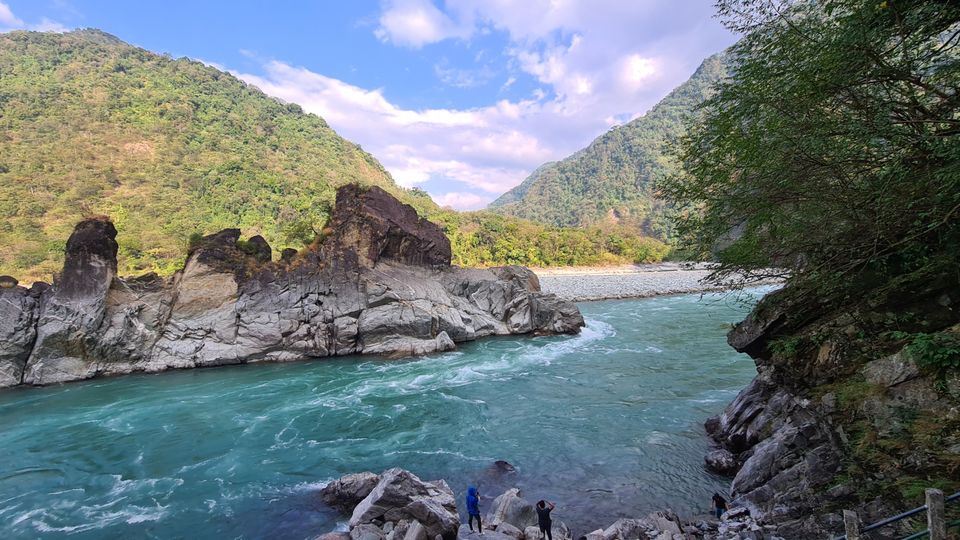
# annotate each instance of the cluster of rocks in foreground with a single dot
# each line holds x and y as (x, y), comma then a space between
(397, 505)
(378, 282)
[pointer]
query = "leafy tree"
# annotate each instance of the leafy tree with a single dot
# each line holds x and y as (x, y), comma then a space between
(832, 151)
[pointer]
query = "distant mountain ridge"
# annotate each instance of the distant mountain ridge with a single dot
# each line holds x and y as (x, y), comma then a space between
(612, 180)
(166, 147)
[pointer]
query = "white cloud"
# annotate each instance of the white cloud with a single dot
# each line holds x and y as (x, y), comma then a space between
(637, 69)
(414, 23)
(46, 25)
(9, 21)
(481, 147)
(7, 18)
(462, 78)
(462, 200)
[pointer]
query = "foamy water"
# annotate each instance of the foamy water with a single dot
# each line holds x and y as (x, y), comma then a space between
(607, 424)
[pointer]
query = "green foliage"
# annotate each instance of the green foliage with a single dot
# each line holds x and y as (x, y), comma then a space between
(937, 352)
(788, 346)
(940, 351)
(487, 239)
(832, 151)
(613, 180)
(194, 241)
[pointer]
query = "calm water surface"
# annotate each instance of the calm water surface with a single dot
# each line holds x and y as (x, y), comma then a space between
(607, 424)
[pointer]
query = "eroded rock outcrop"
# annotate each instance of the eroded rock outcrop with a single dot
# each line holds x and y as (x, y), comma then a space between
(380, 282)
(830, 421)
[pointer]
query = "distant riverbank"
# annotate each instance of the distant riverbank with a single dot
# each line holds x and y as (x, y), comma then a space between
(632, 281)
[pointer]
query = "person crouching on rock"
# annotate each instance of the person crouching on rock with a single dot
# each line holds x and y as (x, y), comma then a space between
(543, 517)
(719, 504)
(473, 508)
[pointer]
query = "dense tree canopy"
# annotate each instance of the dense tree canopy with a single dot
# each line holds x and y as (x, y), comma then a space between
(832, 151)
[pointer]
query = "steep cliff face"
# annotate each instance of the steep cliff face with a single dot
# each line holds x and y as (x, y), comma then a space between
(379, 283)
(845, 412)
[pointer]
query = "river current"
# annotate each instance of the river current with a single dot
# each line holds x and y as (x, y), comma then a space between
(607, 424)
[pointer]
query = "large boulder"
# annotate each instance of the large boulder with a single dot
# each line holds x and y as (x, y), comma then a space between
(627, 529)
(376, 226)
(721, 461)
(401, 495)
(511, 508)
(346, 492)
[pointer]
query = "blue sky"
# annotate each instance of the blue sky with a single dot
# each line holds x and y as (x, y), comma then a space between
(463, 98)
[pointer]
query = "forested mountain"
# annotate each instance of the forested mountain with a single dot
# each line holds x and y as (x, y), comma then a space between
(170, 148)
(613, 179)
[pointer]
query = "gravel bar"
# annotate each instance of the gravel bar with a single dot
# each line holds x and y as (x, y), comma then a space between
(596, 286)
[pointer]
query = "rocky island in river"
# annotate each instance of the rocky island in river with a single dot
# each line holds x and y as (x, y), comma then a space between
(378, 282)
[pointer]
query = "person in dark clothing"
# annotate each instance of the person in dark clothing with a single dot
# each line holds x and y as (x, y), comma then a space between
(543, 517)
(473, 508)
(719, 504)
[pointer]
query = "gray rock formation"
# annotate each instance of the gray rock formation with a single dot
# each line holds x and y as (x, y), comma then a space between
(400, 506)
(379, 283)
(345, 493)
(827, 374)
(511, 508)
(18, 330)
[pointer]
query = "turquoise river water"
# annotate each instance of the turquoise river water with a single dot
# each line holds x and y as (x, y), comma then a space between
(606, 424)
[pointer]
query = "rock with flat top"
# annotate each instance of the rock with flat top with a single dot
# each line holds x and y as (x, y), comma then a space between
(346, 492)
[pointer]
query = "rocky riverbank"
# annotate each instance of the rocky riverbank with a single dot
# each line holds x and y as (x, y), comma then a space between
(397, 505)
(378, 281)
(843, 413)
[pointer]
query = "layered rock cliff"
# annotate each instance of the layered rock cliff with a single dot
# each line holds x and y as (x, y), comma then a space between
(847, 411)
(379, 281)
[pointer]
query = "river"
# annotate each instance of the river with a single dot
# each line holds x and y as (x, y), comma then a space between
(606, 424)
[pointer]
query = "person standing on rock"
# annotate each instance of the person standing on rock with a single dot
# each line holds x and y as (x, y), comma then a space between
(543, 517)
(719, 504)
(473, 508)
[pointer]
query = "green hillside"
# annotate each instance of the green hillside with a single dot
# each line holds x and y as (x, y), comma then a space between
(92, 125)
(612, 180)
(170, 148)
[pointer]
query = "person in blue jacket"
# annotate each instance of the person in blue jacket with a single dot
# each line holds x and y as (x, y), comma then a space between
(473, 508)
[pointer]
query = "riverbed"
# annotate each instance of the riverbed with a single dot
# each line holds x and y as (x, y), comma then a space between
(607, 424)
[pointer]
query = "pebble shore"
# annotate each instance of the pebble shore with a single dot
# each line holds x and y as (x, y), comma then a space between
(639, 281)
